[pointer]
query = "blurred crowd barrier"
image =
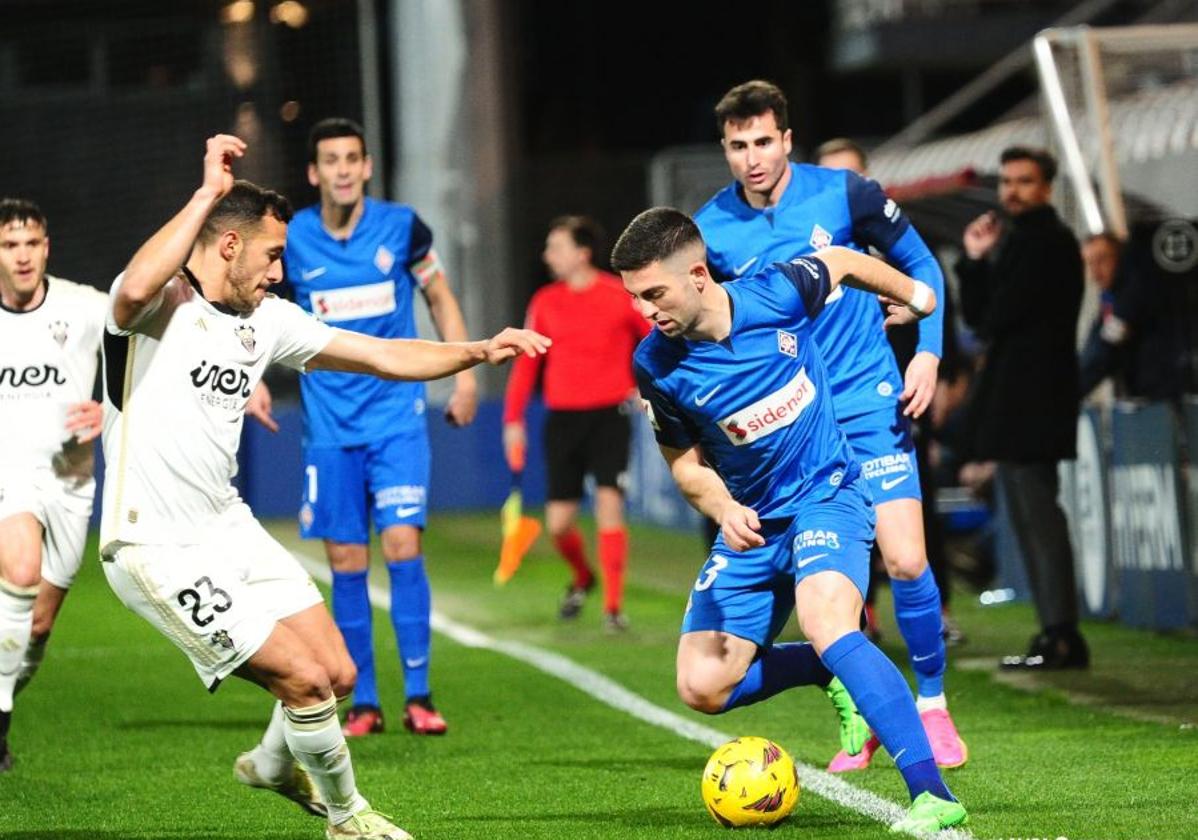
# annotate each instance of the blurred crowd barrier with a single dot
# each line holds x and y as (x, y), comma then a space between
(1132, 502)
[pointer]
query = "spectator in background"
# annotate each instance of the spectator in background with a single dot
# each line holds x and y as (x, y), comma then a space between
(1021, 287)
(843, 153)
(587, 385)
(1135, 337)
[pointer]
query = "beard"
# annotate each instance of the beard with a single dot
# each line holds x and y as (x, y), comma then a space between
(243, 288)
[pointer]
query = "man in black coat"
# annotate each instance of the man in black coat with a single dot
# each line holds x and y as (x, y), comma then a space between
(1021, 289)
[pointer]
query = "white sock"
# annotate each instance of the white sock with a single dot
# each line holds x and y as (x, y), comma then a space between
(16, 626)
(314, 737)
(272, 757)
(923, 704)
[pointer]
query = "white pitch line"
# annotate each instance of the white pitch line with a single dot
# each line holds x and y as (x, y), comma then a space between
(611, 693)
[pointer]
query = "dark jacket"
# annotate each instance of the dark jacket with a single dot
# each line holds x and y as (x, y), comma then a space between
(1023, 300)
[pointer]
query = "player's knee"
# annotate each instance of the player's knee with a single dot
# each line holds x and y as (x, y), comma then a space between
(307, 685)
(401, 544)
(344, 678)
(906, 562)
(22, 574)
(705, 689)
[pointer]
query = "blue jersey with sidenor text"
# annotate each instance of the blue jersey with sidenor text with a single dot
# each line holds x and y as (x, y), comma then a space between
(822, 207)
(364, 283)
(757, 403)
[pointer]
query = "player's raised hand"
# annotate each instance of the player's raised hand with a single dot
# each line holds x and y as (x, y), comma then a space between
(919, 383)
(981, 235)
(512, 341)
(85, 420)
(218, 163)
(740, 525)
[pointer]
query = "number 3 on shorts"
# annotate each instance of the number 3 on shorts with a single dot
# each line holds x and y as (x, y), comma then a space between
(715, 564)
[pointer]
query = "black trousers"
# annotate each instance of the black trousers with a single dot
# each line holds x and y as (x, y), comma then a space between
(1043, 533)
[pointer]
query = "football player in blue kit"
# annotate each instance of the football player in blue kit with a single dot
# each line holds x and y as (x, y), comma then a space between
(776, 210)
(741, 405)
(356, 263)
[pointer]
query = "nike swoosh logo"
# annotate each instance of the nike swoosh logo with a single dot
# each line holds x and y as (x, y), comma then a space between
(741, 269)
(415, 663)
(408, 511)
(806, 560)
(922, 658)
(899, 754)
(894, 482)
(702, 401)
(316, 272)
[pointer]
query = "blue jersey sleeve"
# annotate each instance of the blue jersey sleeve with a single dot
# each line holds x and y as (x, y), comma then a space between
(420, 241)
(809, 275)
(670, 427)
(879, 221)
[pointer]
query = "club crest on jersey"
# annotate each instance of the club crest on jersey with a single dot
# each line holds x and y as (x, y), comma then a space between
(246, 335)
(820, 238)
(221, 637)
(788, 344)
(384, 259)
(58, 331)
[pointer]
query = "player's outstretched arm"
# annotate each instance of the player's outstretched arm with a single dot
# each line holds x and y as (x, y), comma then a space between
(414, 359)
(157, 261)
(708, 494)
(909, 299)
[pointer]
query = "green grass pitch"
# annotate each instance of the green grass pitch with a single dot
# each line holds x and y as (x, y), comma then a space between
(116, 738)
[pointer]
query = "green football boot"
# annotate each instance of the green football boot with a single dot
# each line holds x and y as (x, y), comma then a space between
(853, 729)
(930, 813)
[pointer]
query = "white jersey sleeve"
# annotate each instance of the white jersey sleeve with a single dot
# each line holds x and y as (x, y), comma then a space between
(144, 318)
(301, 336)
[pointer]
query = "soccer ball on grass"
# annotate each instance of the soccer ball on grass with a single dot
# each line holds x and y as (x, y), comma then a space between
(750, 781)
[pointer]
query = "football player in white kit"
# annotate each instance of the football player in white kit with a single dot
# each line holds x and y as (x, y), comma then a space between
(49, 347)
(190, 330)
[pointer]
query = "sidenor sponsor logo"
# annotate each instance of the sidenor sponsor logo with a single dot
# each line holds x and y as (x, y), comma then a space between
(775, 411)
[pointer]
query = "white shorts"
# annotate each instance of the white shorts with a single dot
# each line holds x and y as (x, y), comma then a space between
(63, 507)
(218, 601)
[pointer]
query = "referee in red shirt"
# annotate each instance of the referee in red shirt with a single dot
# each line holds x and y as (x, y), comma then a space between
(587, 384)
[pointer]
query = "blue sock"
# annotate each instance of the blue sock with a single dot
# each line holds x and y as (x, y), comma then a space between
(917, 611)
(885, 702)
(351, 611)
(411, 604)
(778, 668)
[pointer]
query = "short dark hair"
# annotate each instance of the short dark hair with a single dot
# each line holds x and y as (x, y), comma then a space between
(585, 231)
(751, 99)
(21, 210)
(837, 145)
(243, 209)
(1041, 157)
(656, 234)
(331, 127)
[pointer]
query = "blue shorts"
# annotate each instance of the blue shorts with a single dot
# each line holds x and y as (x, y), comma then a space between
(882, 442)
(346, 486)
(752, 593)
